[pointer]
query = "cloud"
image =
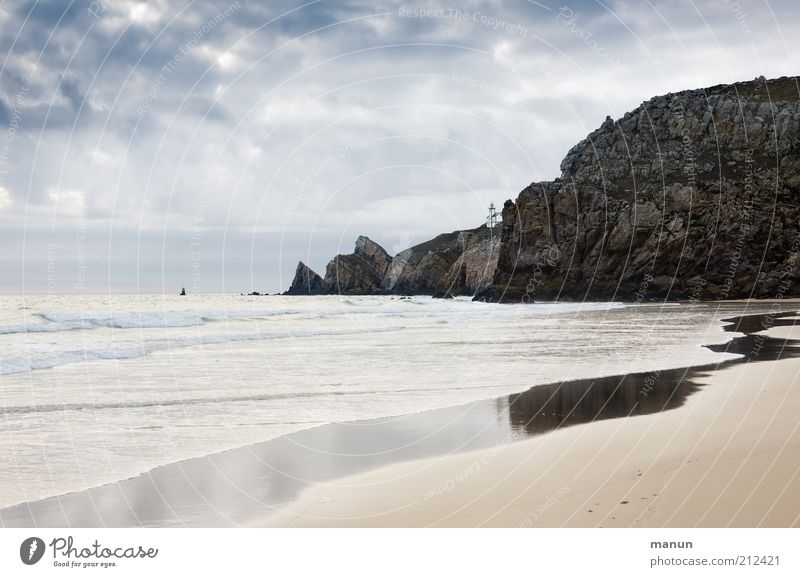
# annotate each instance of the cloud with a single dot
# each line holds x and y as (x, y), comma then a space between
(67, 202)
(319, 121)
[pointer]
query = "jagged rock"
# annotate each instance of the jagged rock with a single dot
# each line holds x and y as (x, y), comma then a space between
(692, 195)
(361, 272)
(474, 270)
(456, 263)
(306, 282)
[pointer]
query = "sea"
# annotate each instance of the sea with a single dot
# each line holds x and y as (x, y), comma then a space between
(97, 389)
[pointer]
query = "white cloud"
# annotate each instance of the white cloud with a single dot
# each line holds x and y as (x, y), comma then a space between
(263, 105)
(67, 202)
(5, 199)
(144, 13)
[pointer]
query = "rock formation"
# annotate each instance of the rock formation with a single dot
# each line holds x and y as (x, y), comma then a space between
(306, 282)
(693, 195)
(361, 272)
(456, 263)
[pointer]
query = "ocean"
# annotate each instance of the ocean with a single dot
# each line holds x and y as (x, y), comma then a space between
(97, 389)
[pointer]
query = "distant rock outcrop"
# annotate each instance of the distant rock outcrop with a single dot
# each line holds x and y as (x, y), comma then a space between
(306, 282)
(361, 272)
(456, 263)
(693, 195)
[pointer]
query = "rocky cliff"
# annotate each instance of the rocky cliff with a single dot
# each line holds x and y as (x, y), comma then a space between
(306, 282)
(456, 263)
(359, 273)
(693, 195)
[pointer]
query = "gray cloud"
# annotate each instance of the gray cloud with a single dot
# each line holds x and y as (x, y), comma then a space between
(274, 131)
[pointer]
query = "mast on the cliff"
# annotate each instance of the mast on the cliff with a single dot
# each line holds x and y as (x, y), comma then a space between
(491, 220)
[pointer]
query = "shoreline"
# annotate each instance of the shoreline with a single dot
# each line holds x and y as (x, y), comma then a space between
(247, 484)
(727, 458)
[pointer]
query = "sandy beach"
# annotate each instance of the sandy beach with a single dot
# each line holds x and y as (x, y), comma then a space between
(710, 445)
(728, 457)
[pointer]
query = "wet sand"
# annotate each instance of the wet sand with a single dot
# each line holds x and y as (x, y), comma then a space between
(730, 456)
(413, 470)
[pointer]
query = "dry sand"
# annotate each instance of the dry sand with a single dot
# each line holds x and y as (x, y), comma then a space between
(729, 457)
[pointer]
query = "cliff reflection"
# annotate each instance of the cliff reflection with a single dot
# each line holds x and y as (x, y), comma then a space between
(544, 408)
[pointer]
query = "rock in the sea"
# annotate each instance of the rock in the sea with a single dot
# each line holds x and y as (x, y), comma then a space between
(306, 282)
(361, 272)
(456, 263)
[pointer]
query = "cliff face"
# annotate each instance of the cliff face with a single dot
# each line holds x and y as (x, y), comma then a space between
(359, 273)
(692, 195)
(457, 263)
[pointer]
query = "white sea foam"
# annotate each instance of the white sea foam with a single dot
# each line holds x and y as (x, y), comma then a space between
(151, 319)
(46, 327)
(33, 362)
(51, 322)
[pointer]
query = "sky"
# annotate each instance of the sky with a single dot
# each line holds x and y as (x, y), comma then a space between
(149, 146)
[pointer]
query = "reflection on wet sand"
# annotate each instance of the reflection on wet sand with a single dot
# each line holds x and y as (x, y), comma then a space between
(242, 485)
(544, 408)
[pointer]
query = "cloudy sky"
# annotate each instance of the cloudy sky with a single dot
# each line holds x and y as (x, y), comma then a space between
(152, 145)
